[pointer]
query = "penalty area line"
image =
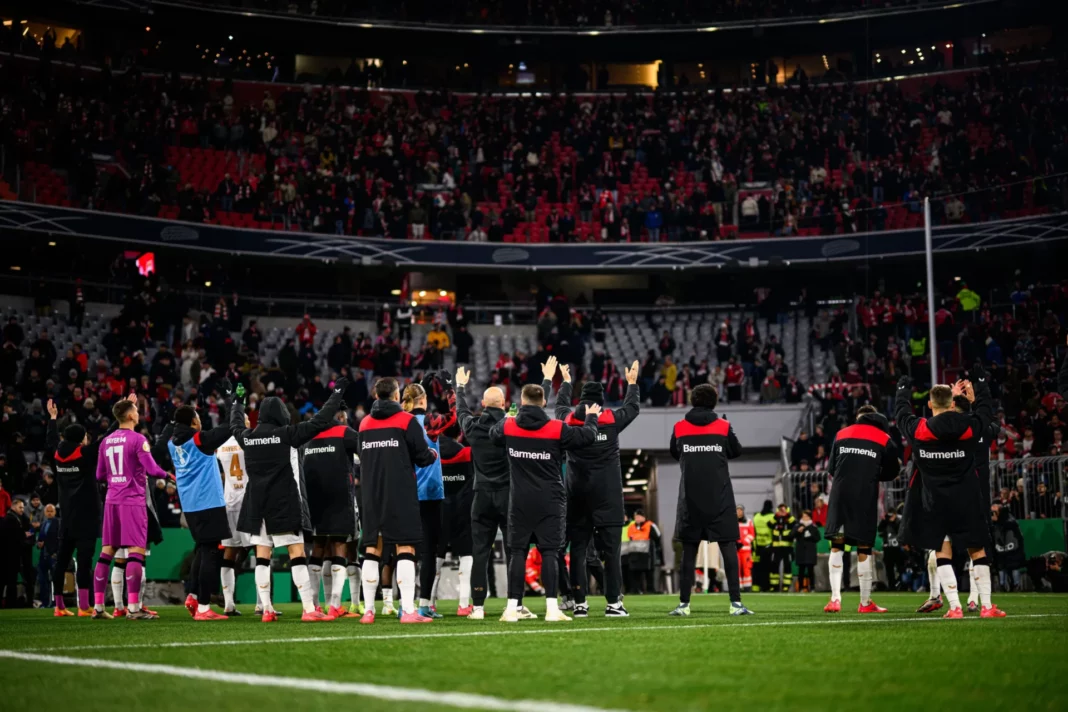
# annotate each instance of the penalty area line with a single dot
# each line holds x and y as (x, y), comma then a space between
(871, 619)
(389, 693)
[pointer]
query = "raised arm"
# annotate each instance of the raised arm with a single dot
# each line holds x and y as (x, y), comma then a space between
(562, 406)
(626, 414)
(574, 438)
(52, 434)
(983, 405)
(463, 410)
(237, 419)
(437, 423)
(301, 433)
(903, 415)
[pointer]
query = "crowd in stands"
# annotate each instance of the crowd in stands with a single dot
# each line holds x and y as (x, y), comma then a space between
(1021, 343)
(556, 13)
(797, 160)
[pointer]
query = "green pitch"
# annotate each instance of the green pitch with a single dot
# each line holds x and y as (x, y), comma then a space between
(790, 656)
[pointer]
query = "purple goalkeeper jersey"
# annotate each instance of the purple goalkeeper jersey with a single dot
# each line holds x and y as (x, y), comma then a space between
(125, 460)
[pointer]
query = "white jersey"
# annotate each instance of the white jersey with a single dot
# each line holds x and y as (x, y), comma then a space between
(232, 459)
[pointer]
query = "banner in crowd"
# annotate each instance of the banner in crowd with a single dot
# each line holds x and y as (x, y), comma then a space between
(1019, 233)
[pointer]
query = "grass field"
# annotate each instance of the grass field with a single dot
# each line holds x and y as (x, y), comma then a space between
(789, 656)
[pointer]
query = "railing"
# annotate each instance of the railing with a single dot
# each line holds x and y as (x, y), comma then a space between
(1031, 487)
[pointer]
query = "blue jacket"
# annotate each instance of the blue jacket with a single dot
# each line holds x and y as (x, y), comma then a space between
(196, 473)
(428, 479)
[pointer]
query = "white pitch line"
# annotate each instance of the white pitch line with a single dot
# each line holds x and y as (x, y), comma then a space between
(537, 631)
(381, 692)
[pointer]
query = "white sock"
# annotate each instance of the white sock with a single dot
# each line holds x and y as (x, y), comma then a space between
(981, 581)
(932, 575)
(228, 578)
(302, 580)
(551, 606)
(864, 573)
(337, 584)
(424, 603)
(117, 576)
(973, 589)
(315, 577)
(263, 587)
(466, 564)
(834, 566)
(406, 582)
(387, 597)
(438, 563)
(513, 604)
(353, 572)
(370, 583)
(948, 580)
(203, 608)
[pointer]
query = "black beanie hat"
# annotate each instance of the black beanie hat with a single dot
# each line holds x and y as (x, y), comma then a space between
(592, 391)
(74, 433)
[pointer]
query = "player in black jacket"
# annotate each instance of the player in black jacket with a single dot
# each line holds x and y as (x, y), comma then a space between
(703, 443)
(275, 510)
(75, 464)
(950, 509)
(392, 445)
(328, 476)
(595, 488)
(862, 456)
(489, 505)
(538, 505)
(457, 477)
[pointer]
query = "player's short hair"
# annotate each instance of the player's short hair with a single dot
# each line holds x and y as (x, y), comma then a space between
(385, 388)
(864, 410)
(941, 396)
(532, 394)
(122, 410)
(412, 393)
(74, 433)
(185, 415)
(704, 396)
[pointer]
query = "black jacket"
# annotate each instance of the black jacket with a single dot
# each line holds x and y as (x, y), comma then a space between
(456, 470)
(276, 492)
(392, 445)
(489, 458)
(207, 441)
(862, 456)
(594, 475)
(329, 479)
(536, 444)
(79, 498)
(805, 539)
(703, 443)
(944, 497)
(1008, 542)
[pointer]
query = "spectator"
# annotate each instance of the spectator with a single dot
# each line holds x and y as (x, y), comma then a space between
(1009, 555)
(805, 539)
(48, 550)
(464, 342)
(669, 372)
(438, 337)
(251, 337)
(667, 344)
(734, 378)
(306, 331)
(770, 389)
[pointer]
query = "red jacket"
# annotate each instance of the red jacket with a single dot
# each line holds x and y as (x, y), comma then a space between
(746, 535)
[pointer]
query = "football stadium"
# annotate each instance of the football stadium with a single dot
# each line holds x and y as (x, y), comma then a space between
(577, 355)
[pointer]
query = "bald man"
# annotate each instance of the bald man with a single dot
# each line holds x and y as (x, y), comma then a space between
(489, 510)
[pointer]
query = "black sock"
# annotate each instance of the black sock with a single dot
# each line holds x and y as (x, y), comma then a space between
(729, 551)
(687, 574)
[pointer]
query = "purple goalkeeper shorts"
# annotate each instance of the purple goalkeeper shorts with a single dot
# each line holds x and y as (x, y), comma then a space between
(125, 525)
